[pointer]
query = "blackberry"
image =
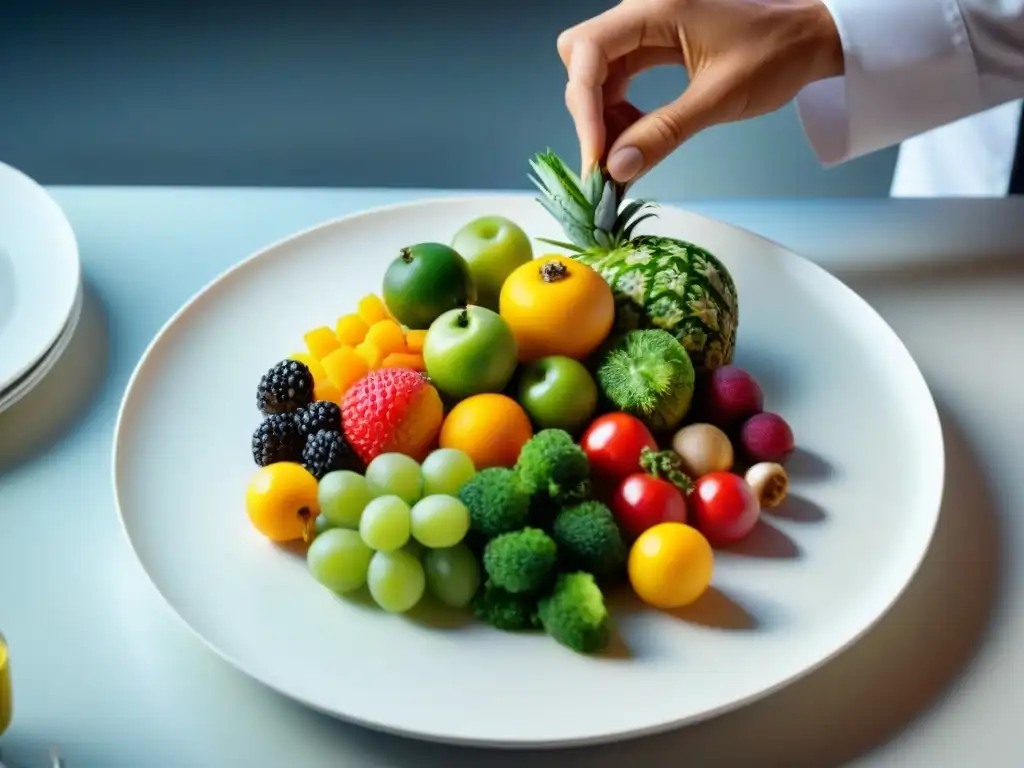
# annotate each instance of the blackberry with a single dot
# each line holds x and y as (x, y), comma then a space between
(277, 439)
(285, 388)
(318, 415)
(327, 451)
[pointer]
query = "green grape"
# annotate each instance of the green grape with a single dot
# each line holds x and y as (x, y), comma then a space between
(396, 580)
(395, 474)
(342, 495)
(413, 547)
(339, 559)
(386, 523)
(446, 470)
(440, 521)
(453, 574)
(322, 524)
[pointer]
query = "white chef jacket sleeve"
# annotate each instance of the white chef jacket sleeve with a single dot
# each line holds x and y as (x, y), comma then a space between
(912, 65)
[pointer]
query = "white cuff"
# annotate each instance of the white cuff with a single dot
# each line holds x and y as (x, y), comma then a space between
(909, 68)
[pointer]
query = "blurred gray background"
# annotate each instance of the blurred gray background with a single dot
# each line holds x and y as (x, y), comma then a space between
(379, 93)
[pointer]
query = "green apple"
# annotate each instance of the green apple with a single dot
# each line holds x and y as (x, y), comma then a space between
(558, 393)
(493, 247)
(470, 351)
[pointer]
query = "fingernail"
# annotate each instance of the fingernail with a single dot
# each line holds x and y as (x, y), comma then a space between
(625, 163)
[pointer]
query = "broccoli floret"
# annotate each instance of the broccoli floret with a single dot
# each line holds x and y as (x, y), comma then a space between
(575, 615)
(588, 538)
(498, 501)
(521, 561)
(504, 610)
(553, 465)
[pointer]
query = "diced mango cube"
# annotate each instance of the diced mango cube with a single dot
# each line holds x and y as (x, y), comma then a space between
(321, 342)
(404, 360)
(371, 308)
(351, 330)
(387, 336)
(371, 354)
(327, 390)
(319, 374)
(344, 367)
(414, 340)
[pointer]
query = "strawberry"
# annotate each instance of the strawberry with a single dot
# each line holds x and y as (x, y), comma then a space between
(392, 410)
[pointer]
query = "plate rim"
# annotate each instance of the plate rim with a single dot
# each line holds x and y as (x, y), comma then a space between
(934, 426)
(34, 376)
(59, 219)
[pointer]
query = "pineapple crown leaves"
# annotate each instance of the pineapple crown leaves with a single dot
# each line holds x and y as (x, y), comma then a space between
(589, 210)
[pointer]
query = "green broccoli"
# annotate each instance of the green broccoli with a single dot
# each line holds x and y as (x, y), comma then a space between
(588, 538)
(504, 610)
(552, 464)
(575, 615)
(498, 501)
(521, 561)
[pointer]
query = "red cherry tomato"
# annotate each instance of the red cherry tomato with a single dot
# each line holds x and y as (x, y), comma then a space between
(642, 501)
(613, 443)
(723, 507)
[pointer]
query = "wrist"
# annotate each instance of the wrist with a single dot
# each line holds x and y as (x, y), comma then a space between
(829, 60)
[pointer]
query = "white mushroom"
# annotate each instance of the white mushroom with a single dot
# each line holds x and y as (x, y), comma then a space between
(703, 448)
(770, 483)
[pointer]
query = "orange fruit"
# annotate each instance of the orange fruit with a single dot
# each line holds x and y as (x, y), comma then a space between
(351, 330)
(282, 501)
(414, 340)
(404, 360)
(371, 308)
(557, 306)
(344, 367)
(387, 336)
(321, 342)
(490, 428)
(670, 565)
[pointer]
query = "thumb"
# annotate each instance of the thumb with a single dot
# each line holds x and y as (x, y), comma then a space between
(659, 133)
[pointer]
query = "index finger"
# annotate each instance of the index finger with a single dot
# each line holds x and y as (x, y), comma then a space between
(587, 51)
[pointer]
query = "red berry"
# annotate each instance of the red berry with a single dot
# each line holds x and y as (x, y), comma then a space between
(391, 409)
(731, 395)
(767, 437)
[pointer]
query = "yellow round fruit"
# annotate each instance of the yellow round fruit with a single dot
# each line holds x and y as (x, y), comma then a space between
(282, 501)
(556, 305)
(490, 428)
(670, 565)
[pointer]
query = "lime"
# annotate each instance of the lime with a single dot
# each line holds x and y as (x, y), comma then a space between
(424, 282)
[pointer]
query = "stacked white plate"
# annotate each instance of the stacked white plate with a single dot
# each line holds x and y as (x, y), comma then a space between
(40, 284)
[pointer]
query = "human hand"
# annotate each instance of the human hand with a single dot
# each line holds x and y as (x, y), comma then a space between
(744, 58)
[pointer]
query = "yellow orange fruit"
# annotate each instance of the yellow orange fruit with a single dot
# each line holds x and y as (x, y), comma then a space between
(490, 428)
(281, 501)
(325, 389)
(344, 367)
(371, 308)
(404, 360)
(321, 342)
(387, 336)
(414, 341)
(557, 306)
(670, 565)
(372, 354)
(350, 330)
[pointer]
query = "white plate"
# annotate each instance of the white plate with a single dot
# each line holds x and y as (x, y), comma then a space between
(827, 361)
(28, 381)
(39, 273)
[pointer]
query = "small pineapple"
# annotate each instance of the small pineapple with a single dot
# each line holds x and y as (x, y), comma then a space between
(658, 282)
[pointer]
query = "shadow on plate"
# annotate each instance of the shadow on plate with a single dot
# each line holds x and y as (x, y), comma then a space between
(56, 405)
(798, 509)
(843, 710)
(766, 541)
(809, 466)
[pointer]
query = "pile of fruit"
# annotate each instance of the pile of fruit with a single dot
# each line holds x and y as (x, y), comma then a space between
(486, 429)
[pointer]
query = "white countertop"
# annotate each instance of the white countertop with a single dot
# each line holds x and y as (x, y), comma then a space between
(104, 669)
